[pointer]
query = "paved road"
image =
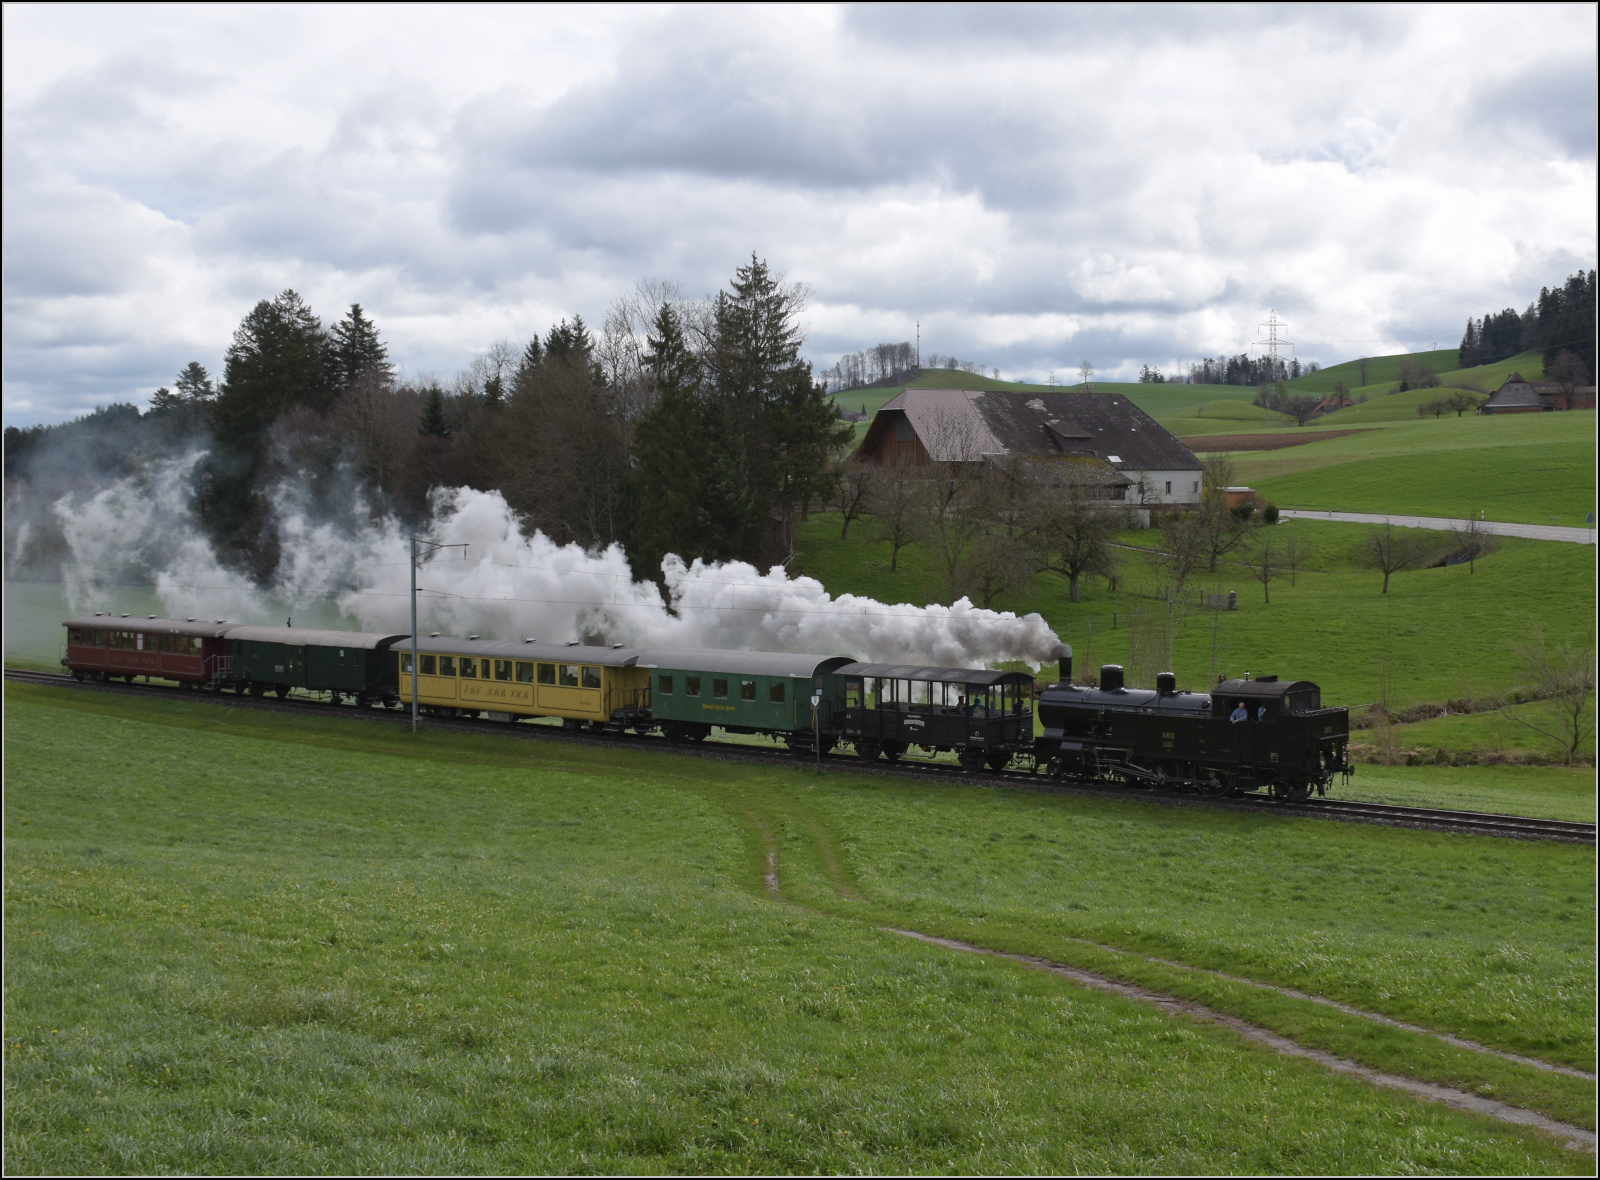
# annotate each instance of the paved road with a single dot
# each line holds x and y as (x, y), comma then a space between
(1537, 532)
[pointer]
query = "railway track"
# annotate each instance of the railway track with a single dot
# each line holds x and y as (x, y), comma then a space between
(1347, 811)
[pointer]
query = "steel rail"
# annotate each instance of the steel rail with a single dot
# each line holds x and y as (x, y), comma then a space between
(1346, 810)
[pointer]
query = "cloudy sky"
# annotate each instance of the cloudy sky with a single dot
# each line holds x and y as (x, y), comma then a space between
(1036, 185)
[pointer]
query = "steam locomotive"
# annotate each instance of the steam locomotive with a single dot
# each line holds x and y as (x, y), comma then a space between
(1245, 735)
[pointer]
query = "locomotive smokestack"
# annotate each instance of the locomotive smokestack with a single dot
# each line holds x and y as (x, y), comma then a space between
(1064, 657)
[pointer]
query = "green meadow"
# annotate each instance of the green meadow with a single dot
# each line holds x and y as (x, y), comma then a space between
(1331, 623)
(245, 942)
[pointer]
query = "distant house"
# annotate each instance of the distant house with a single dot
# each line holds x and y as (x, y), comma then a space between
(1520, 396)
(1138, 460)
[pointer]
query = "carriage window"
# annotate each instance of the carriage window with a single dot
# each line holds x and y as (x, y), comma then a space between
(164, 643)
(524, 672)
(568, 675)
(469, 667)
(196, 646)
(405, 663)
(547, 673)
(775, 693)
(430, 665)
(502, 669)
(341, 655)
(138, 642)
(691, 686)
(447, 665)
(921, 695)
(591, 676)
(73, 635)
(719, 689)
(747, 690)
(664, 685)
(852, 694)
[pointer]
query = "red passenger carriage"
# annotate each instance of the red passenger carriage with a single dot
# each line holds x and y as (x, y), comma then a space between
(104, 646)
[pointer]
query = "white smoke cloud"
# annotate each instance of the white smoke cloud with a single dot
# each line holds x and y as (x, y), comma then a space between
(141, 527)
(508, 585)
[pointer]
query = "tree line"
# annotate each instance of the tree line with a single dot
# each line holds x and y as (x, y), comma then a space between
(691, 426)
(1561, 320)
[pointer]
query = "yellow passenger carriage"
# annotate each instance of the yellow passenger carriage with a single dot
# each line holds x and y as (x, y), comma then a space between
(598, 686)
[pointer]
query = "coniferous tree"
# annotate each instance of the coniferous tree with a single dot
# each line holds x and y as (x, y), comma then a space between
(164, 401)
(774, 424)
(434, 421)
(357, 351)
(669, 453)
(194, 383)
(279, 359)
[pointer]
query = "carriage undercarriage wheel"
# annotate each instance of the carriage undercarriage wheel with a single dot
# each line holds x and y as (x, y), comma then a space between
(971, 758)
(868, 750)
(893, 750)
(998, 759)
(283, 692)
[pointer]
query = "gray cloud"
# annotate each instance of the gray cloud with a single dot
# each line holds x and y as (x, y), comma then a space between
(1035, 184)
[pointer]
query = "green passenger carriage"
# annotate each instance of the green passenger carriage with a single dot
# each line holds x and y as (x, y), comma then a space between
(692, 691)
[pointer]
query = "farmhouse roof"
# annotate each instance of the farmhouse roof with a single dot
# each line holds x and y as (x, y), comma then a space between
(961, 423)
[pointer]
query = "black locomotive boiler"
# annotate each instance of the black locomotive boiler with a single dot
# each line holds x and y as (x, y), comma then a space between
(1264, 734)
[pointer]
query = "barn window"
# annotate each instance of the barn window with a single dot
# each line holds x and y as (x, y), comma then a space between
(747, 690)
(547, 673)
(1169, 487)
(591, 676)
(775, 693)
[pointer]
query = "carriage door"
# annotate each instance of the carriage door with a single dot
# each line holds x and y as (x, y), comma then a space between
(295, 669)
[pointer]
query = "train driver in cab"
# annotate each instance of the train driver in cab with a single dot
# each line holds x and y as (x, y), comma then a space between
(1240, 713)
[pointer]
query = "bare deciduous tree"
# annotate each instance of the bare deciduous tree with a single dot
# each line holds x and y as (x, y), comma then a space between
(853, 492)
(892, 509)
(949, 515)
(1565, 676)
(1473, 541)
(1186, 545)
(1073, 526)
(1297, 551)
(1264, 566)
(1391, 550)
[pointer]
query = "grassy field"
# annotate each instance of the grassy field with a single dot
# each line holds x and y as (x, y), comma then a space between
(1438, 634)
(248, 942)
(1551, 485)
(1381, 370)
(1549, 792)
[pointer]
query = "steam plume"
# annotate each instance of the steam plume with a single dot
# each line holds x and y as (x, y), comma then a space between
(508, 585)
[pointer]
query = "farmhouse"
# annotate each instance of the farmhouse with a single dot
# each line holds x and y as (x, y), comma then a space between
(1142, 462)
(1521, 396)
